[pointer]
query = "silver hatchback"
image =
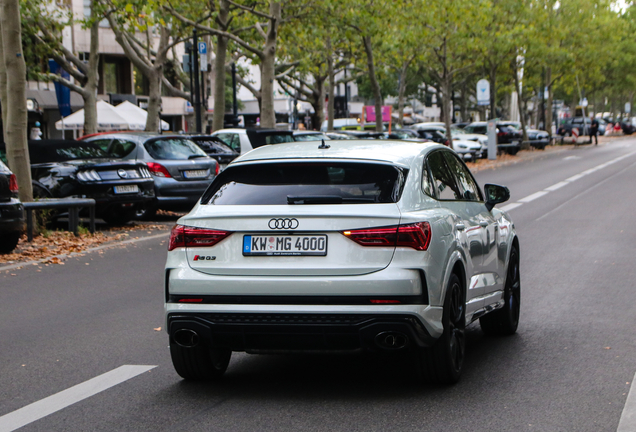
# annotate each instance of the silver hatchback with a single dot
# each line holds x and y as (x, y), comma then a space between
(182, 171)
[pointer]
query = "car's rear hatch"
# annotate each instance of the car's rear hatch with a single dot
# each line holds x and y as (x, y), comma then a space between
(303, 236)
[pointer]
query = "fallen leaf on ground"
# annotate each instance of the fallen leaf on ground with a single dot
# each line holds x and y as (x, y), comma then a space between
(157, 329)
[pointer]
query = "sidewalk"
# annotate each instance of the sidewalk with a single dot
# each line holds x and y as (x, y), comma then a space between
(523, 155)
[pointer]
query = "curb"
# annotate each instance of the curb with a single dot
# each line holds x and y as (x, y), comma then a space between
(95, 249)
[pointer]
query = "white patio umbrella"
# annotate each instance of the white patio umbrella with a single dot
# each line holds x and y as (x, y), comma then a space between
(107, 119)
(136, 116)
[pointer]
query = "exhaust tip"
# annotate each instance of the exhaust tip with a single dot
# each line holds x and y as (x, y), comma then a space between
(392, 340)
(186, 338)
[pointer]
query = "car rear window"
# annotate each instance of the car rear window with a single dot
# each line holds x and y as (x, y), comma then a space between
(173, 149)
(307, 183)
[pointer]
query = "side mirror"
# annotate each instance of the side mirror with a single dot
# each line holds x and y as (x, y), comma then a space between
(495, 194)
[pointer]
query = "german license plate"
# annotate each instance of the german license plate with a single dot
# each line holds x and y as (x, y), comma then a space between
(285, 245)
(126, 189)
(195, 173)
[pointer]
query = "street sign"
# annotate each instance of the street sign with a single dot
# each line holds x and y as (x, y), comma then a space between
(546, 93)
(583, 102)
(483, 92)
(628, 107)
(203, 56)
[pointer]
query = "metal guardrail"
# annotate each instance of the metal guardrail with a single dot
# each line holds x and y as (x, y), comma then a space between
(72, 204)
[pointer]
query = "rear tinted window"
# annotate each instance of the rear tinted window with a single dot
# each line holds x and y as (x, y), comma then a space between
(308, 183)
(173, 149)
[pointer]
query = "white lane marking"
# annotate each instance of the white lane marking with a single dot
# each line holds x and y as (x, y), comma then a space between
(533, 197)
(559, 185)
(575, 177)
(567, 181)
(627, 422)
(510, 206)
(42, 408)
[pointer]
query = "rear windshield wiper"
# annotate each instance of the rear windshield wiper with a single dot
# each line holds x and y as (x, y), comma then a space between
(325, 199)
(197, 156)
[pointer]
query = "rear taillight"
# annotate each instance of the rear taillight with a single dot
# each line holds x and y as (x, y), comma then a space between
(216, 170)
(158, 170)
(183, 236)
(501, 134)
(416, 236)
(13, 183)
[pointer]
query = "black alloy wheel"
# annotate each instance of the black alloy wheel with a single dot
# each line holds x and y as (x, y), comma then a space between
(9, 241)
(443, 362)
(504, 321)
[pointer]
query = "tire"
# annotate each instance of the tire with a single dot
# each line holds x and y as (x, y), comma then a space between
(199, 363)
(443, 362)
(9, 241)
(504, 321)
(146, 213)
(118, 218)
(513, 151)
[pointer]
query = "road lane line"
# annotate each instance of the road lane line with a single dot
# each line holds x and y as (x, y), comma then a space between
(42, 408)
(557, 186)
(510, 206)
(627, 422)
(533, 197)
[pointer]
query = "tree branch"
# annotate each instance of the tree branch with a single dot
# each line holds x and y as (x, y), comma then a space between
(251, 10)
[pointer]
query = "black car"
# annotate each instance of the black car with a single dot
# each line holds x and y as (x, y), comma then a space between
(215, 147)
(582, 124)
(11, 211)
(508, 136)
(67, 168)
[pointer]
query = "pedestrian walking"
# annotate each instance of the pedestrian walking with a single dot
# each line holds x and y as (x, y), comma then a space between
(593, 129)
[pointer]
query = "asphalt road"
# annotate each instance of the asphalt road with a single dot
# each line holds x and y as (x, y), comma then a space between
(569, 368)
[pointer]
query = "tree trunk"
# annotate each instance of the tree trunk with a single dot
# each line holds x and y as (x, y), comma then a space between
(401, 91)
(153, 122)
(446, 107)
(16, 126)
(92, 78)
(377, 93)
(493, 91)
(525, 145)
(548, 108)
(268, 115)
(3, 84)
(219, 83)
(219, 68)
(332, 88)
(319, 102)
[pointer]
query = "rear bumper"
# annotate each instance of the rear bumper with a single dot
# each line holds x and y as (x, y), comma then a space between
(11, 216)
(303, 331)
(174, 194)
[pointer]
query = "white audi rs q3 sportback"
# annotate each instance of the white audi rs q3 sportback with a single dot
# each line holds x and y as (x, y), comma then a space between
(341, 247)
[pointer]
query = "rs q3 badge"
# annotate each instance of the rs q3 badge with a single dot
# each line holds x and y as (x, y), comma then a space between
(204, 258)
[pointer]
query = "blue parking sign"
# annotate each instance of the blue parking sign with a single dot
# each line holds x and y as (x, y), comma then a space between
(203, 48)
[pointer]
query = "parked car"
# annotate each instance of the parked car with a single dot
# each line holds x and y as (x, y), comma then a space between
(214, 147)
(628, 125)
(339, 123)
(244, 140)
(404, 134)
(508, 137)
(469, 150)
(602, 126)
(538, 139)
(339, 136)
(358, 134)
(583, 125)
(64, 168)
(382, 246)
(11, 211)
(180, 169)
(310, 136)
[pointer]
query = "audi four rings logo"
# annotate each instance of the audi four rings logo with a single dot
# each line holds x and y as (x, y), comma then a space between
(283, 223)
